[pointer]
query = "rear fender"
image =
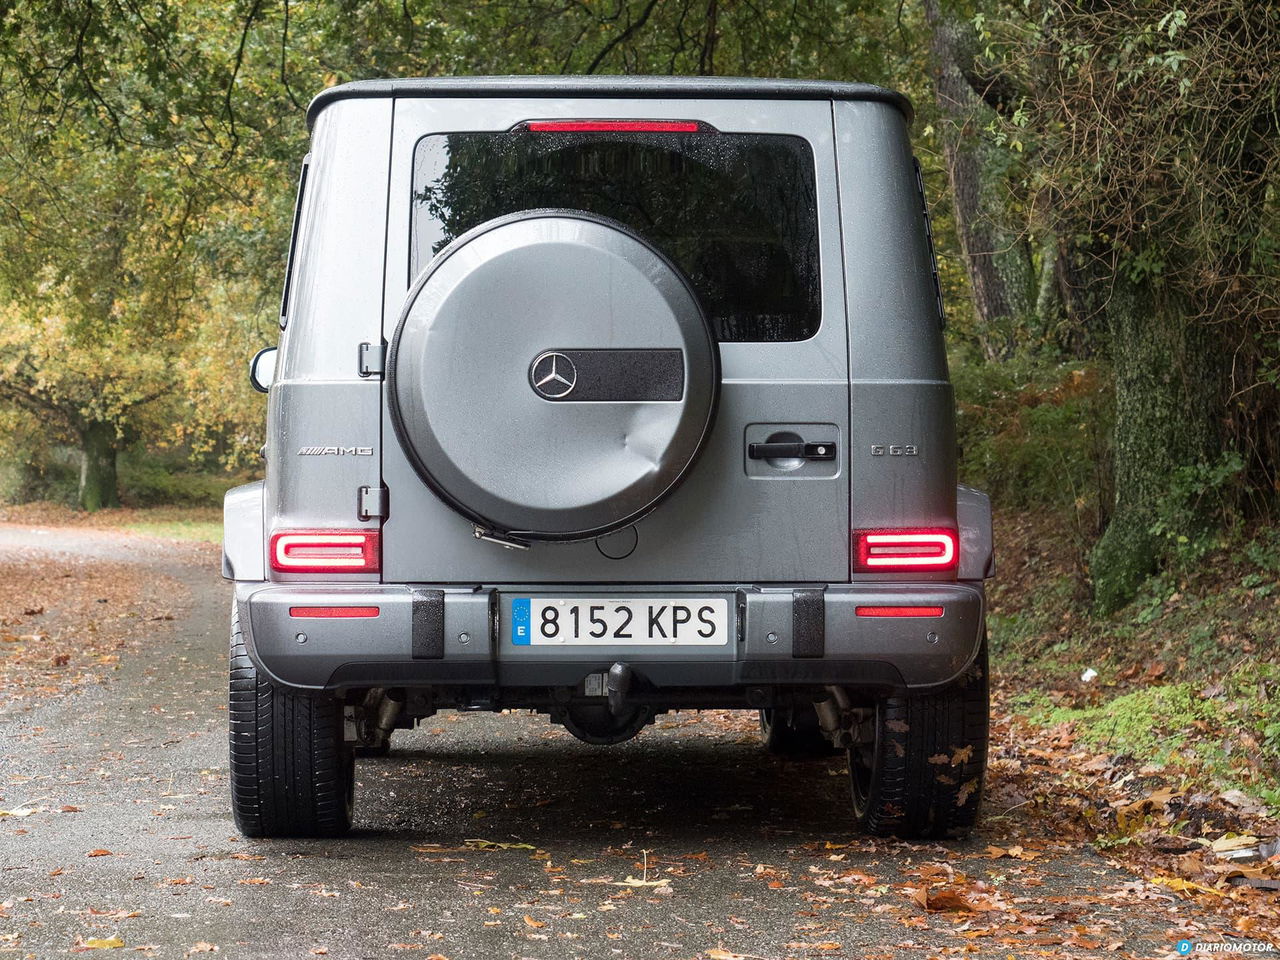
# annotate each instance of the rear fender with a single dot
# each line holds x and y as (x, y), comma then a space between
(977, 551)
(243, 555)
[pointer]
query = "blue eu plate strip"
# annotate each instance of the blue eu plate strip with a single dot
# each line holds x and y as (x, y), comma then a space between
(520, 621)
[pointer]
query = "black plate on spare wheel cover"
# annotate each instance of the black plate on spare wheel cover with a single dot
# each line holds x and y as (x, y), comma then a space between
(553, 376)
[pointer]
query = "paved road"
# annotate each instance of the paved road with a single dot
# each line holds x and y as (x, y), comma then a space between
(758, 854)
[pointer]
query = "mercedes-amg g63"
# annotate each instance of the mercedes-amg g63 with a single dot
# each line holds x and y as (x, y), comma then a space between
(606, 397)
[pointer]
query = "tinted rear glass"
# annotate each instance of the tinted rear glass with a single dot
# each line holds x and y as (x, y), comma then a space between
(736, 212)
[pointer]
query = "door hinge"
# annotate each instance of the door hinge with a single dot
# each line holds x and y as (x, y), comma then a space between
(372, 503)
(373, 359)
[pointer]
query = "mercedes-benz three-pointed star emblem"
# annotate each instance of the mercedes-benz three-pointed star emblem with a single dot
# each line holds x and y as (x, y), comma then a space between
(553, 375)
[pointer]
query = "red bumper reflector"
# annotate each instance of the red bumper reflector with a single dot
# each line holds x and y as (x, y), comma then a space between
(325, 551)
(612, 126)
(899, 611)
(888, 551)
(334, 612)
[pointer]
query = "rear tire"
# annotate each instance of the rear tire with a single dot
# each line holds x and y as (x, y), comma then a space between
(793, 732)
(291, 773)
(922, 776)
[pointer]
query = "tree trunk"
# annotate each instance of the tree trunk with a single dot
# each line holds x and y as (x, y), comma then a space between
(1048, 292)
(98, 486)
(997, 259)
(1169, 396)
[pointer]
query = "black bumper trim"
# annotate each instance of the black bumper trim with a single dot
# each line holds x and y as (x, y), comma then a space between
(808, 624)
(427, 624)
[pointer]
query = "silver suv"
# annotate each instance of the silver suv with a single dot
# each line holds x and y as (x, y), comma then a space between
(604, 397)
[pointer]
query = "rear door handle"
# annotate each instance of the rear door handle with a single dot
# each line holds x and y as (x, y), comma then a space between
(791, 451)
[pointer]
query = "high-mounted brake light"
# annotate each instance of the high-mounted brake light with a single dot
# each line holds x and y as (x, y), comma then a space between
(325, 551)
(334, 613)
(889, 551)
(898, 611)
(612, 126)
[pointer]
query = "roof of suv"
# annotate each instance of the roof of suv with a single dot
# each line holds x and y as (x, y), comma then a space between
(724, 88)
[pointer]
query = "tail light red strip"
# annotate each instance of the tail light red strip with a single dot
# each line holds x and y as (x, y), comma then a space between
(613, 126)
(904, 550)
(353, 613)
(325, 551)
(899, 611)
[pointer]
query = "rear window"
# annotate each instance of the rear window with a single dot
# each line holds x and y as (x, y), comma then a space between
(736, 212)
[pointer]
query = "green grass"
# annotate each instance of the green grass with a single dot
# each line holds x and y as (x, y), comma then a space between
(1152, 724)
(1224, 734)
(1188, 673)
(196, 530)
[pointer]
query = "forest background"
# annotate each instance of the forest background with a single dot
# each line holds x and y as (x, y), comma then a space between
(1104, 178)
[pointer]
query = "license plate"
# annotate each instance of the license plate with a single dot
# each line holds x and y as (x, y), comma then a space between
(656, 622)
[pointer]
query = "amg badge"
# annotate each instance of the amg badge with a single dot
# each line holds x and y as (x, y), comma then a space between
(335, 452)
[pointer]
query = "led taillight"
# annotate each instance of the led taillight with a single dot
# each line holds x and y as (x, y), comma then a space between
(898, 611)
(889, 551)
(325, 551)
(612, 126)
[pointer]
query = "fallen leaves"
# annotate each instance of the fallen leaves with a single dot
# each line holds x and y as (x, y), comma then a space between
(495, 845)
(1231, 842)
(102, 943)
(99, 853)
(60, 633)
(1182, 885)
(956, 899)
(1131, 816)
(824, 945)
(640, 882)
(1015, 852)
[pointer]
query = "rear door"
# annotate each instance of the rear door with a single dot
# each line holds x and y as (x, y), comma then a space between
(751, 218)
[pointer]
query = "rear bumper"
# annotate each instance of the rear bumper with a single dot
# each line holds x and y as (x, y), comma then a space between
(425, 636)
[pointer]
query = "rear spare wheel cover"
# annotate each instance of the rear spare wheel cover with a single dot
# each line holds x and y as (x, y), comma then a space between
(552, 376)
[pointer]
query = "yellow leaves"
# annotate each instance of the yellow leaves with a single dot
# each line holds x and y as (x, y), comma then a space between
(638, 882)
(1131, 816)
(103, 943)
(494, 845)
(531, 922)
(1180, 885)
